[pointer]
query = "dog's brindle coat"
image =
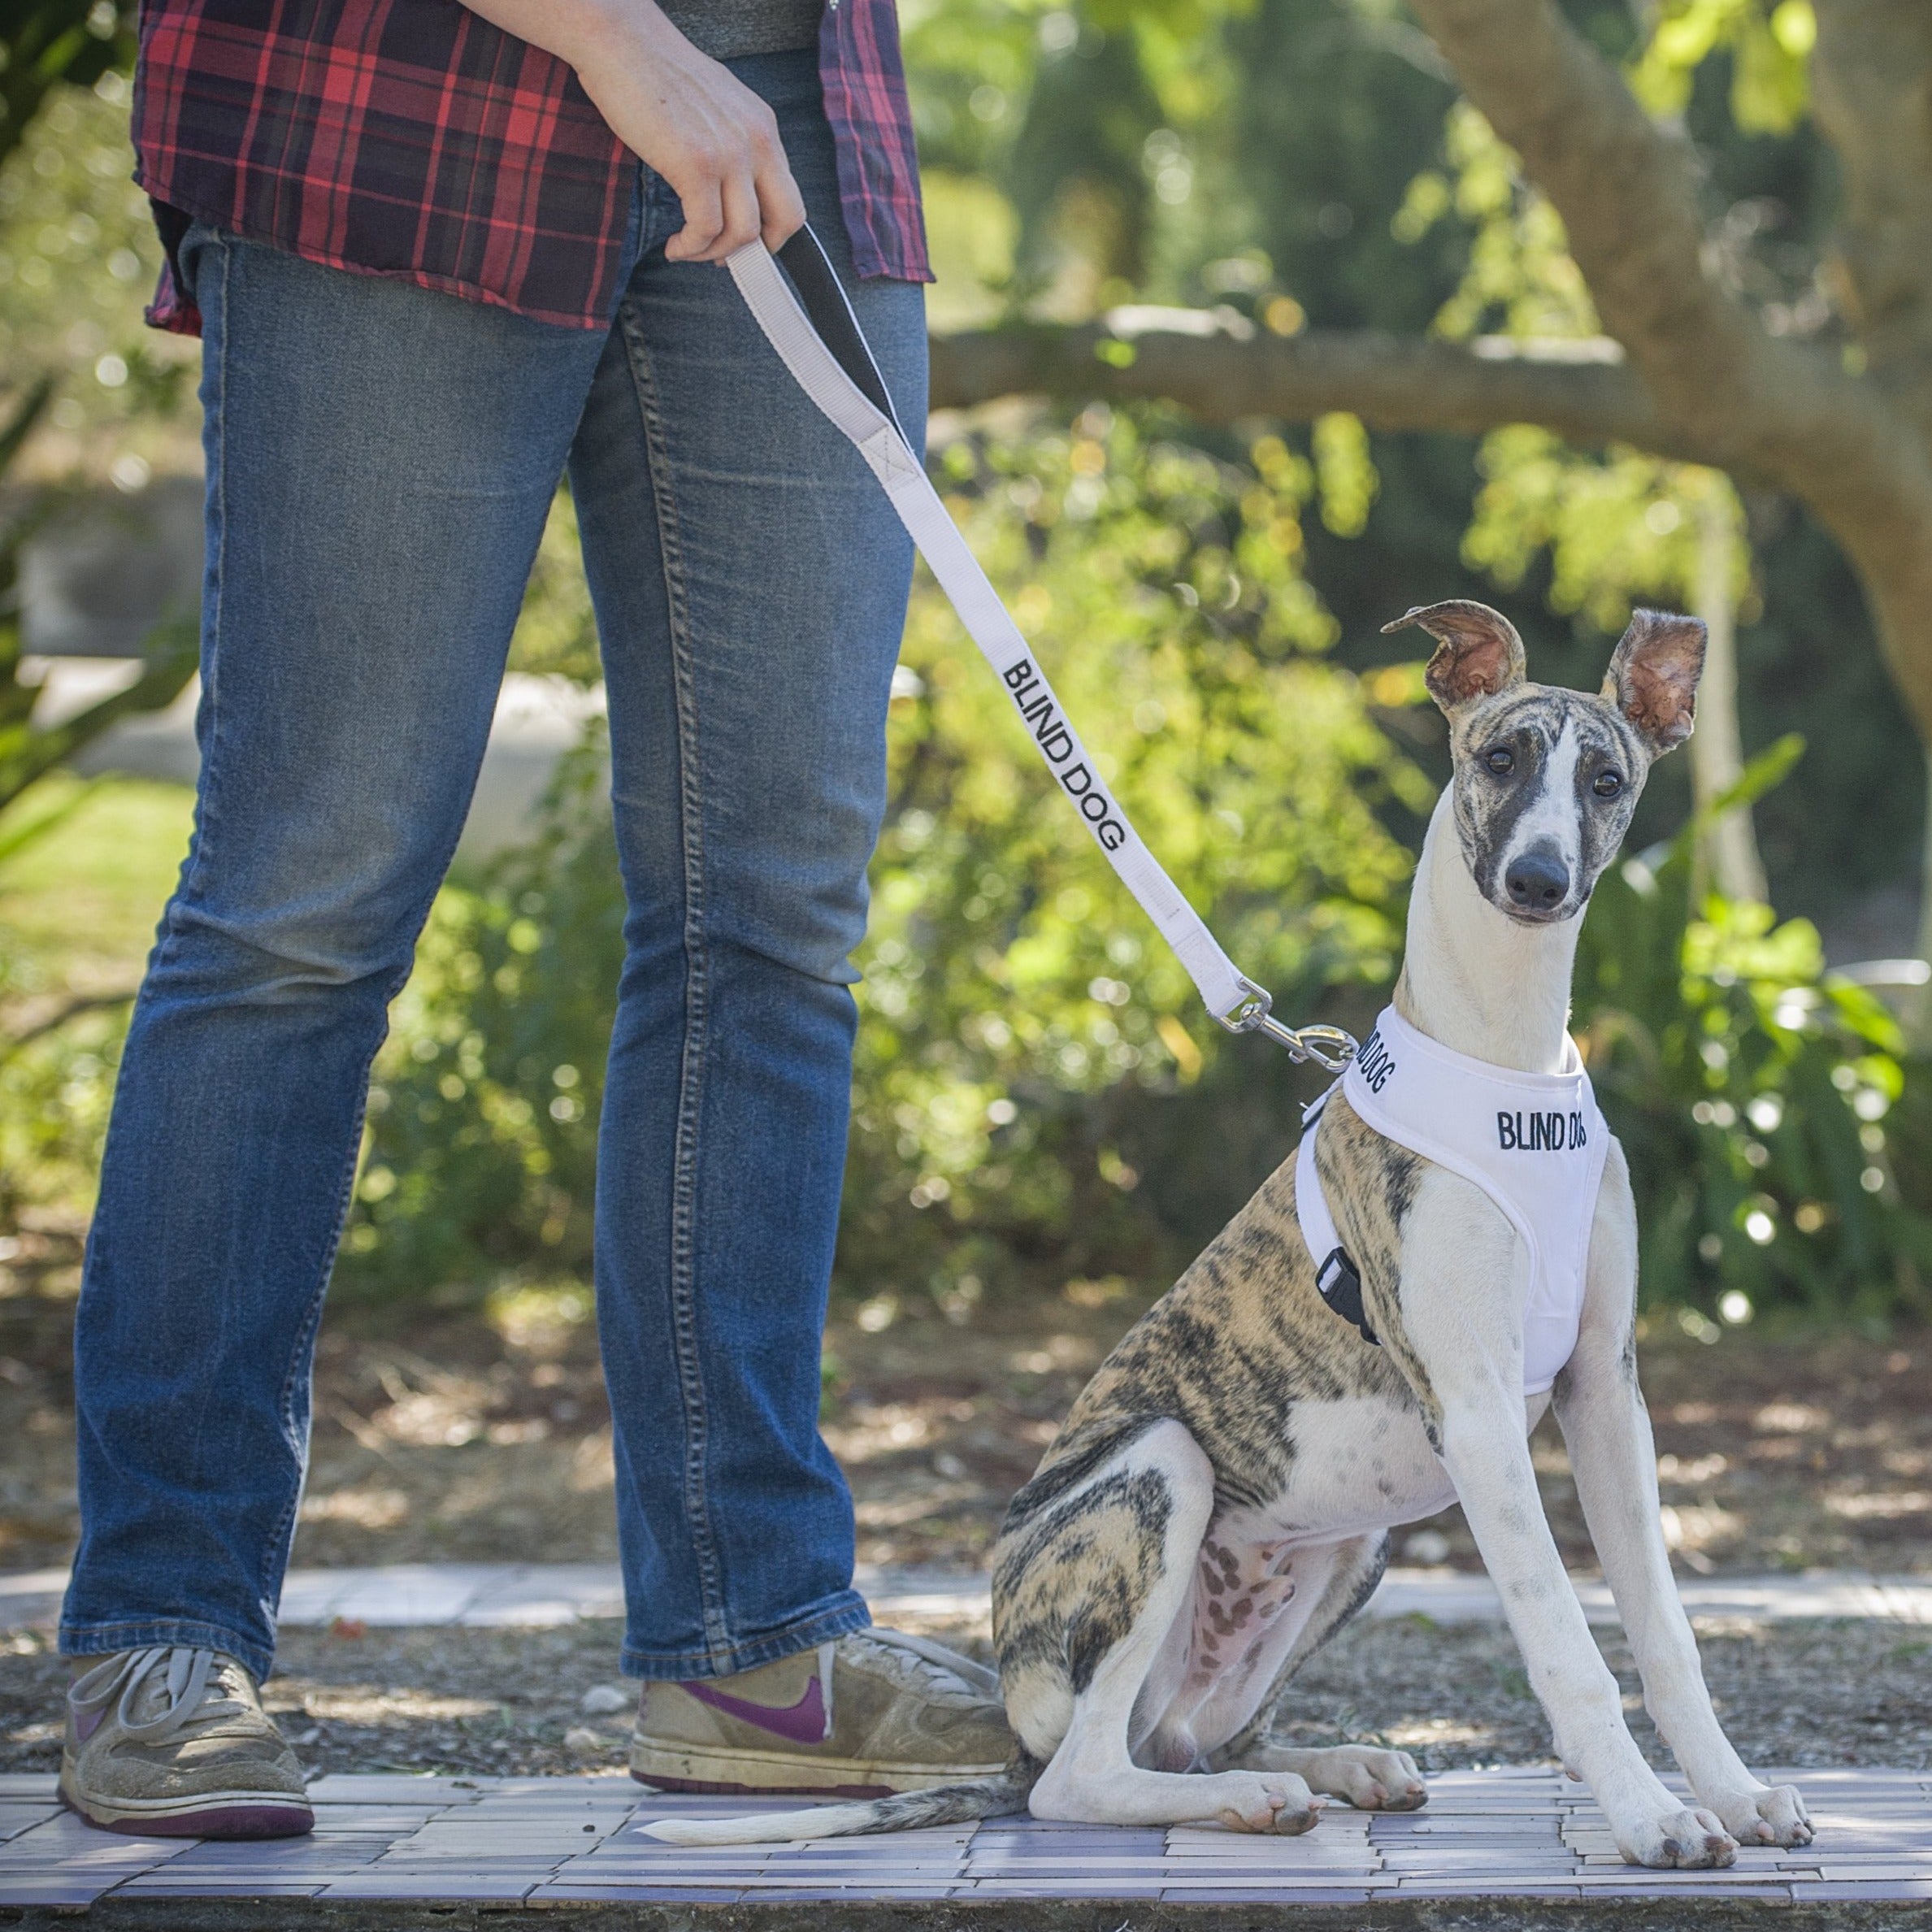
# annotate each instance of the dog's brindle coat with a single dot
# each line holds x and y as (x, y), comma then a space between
(1219, 1502)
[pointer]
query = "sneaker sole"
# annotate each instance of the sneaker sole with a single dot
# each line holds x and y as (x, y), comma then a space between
(747, 1774)
(208, 1814)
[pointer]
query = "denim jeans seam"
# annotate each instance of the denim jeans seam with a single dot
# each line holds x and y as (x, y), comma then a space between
(212, 623)
(279, 1544)
(684, 1212)
(94, 1260)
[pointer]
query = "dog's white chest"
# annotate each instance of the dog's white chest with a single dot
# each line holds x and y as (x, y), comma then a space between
(1533, 1142)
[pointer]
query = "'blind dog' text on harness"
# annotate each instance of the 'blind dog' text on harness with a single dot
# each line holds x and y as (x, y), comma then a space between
(1533, 1142)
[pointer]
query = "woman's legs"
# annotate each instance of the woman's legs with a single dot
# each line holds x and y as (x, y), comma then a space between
(750, 581)
(380, 461)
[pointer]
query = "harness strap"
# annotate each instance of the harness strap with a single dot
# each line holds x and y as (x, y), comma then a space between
(810, 323)
(1338, 1281)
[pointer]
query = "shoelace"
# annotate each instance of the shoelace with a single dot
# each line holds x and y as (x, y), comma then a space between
(939, 1668)
(184, 1686)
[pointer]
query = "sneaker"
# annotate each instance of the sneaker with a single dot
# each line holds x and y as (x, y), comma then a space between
(172, 1742)
(862, 1716)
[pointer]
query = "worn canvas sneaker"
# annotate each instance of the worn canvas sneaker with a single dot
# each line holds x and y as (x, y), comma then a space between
(867, 1714)
(172, 1742)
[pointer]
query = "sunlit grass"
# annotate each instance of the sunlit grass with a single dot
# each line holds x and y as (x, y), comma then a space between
(78, 907)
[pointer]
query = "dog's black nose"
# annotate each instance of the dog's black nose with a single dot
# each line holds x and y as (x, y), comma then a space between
(1539, 881)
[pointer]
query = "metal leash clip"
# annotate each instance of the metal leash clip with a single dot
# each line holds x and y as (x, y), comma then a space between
(1329, 1047)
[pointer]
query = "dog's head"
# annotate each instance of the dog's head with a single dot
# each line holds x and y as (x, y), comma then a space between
(1546, 779)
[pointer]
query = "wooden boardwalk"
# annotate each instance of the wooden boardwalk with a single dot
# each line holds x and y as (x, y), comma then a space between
(497, 1843)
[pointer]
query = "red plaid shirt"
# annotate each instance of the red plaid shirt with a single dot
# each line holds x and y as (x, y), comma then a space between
(412, 138)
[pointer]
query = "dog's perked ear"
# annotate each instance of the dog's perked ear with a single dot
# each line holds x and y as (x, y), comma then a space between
(1653, 675)
(1478, 652)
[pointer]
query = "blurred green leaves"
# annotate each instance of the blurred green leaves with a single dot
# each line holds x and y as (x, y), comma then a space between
(481, 1143)
(1769, 43)
(1020, 1023)
(78, 259)
(1018, 1011)
(46, 42)
(1750, 1087)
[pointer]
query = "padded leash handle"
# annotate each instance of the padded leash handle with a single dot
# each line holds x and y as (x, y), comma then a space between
(806, 318)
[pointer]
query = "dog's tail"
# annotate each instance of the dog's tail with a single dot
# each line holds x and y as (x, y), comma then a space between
(905, 1811)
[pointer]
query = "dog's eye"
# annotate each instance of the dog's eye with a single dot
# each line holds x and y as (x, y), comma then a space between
(1502, 760)
(1608, 784)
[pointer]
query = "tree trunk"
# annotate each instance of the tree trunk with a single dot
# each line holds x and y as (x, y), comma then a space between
(1918, 1023)
(1727, 853)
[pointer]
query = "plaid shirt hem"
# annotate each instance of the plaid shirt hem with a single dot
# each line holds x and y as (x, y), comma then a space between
(412, 139)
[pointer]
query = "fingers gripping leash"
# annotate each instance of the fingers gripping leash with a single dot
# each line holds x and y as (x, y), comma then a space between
(806, 317)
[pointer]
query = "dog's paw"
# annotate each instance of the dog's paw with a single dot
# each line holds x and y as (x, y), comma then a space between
(1262, 1801)
(1688, 1841)
(1369, 1778)
(1767, 1815)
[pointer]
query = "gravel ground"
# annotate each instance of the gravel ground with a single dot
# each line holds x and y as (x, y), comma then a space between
(509, 1702)
(482, 1434)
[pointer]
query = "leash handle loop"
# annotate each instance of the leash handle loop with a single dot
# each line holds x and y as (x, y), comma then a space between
(808, 320)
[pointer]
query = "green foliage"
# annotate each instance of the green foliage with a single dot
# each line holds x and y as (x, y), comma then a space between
(556, 630)
(78, 257)
(1022, 1027)
(1769, 43)
(1335, 106)
(1020, 1024)
(1520, 279)
(56, 1084)
(1750, 1088)
(44, 43)
(1615, 526)
(481, 1148)
(57, 1071)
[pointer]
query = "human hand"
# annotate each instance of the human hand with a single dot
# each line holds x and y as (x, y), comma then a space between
(680, 111)
(690, 118)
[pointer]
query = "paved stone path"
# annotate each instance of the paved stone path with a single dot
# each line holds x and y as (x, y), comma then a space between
(486, 1595)
(1515, 1833)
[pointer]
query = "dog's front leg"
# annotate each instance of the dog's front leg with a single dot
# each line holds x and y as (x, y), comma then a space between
(1601, 1408)
(1462, 1320)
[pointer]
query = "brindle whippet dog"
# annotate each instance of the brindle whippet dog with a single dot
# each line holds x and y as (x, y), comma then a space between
(1218, 1503)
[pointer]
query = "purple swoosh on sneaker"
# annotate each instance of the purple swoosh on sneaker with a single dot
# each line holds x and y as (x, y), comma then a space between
(800, 1723)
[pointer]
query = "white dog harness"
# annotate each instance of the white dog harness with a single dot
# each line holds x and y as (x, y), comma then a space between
(1533, 1142)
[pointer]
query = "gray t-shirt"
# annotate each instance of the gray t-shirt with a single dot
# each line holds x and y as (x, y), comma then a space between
(726, 29)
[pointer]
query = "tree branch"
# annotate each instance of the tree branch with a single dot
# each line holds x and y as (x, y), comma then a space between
(1870, 74)
(1220, 369)
(1631, 194)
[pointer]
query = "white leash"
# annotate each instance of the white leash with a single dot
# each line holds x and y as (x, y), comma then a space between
(808, 320)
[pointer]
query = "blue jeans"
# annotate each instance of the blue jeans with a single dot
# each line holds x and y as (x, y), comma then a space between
(380, 461)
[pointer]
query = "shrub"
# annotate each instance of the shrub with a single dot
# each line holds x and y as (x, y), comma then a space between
(1751, 1089)
(481, 1144)
(1021, 1027)
(1037, 1094)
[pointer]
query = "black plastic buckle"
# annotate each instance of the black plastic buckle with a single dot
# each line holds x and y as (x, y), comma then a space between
(1338, 1283)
